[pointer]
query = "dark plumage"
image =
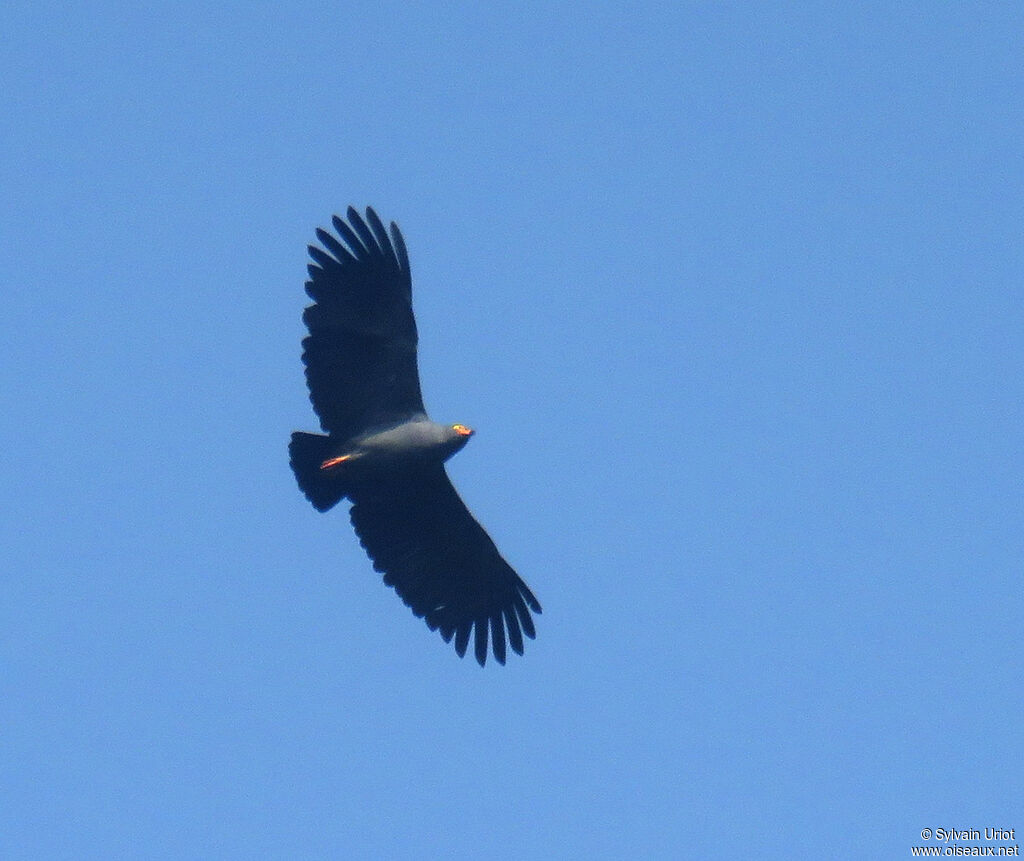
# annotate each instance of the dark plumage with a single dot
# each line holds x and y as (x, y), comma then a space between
(384, 454)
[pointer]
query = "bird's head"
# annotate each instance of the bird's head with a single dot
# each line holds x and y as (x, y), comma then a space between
(455, 439)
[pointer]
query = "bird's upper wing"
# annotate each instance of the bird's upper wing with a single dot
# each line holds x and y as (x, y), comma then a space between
(360, 355)
(421, 536)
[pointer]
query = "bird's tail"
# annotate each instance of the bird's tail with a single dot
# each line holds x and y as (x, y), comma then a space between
(321, 487)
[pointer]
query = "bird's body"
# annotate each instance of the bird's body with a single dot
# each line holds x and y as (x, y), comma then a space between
(417, 439)
(384, 454)
(326, 469)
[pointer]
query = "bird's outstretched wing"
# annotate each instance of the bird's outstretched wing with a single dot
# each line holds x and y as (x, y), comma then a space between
(421, 536)
(360, 355)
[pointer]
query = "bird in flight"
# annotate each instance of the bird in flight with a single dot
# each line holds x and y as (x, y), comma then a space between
(381, 451)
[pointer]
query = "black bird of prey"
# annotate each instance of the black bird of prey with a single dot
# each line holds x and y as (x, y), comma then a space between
(384, 454)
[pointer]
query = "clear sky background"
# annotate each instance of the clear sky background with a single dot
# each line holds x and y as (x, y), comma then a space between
(732, 294)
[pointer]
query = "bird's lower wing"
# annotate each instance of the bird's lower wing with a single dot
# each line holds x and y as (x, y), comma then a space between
(441, 562)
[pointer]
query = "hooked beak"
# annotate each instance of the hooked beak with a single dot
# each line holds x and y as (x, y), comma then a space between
(462, 430)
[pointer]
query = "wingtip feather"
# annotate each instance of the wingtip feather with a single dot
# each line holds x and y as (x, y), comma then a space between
(462, 639)
(480, 641)
(498, 637)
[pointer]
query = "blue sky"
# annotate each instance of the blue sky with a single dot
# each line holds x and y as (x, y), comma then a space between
(730, 292)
